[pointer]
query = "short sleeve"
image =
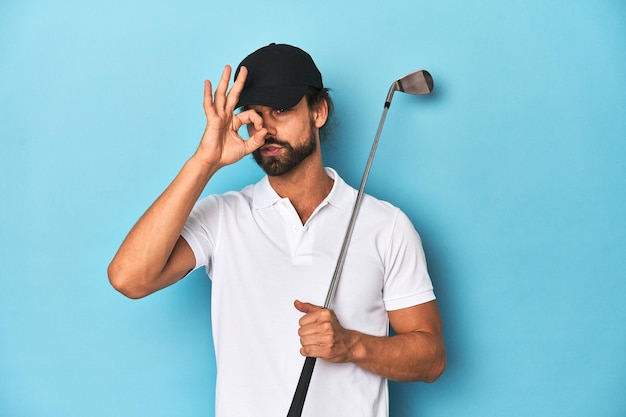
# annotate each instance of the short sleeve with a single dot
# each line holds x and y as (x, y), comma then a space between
(200, 229)
(407, 282)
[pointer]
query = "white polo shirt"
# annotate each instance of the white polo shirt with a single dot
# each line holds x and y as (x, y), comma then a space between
(261, 258)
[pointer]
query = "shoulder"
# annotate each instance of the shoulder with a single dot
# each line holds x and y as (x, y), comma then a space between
(217, 204)
(373, 211)
(381, 209)
(388, 222)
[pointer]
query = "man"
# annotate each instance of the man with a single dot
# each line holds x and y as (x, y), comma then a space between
(271, 250)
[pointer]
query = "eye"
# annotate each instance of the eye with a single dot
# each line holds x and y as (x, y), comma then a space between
(280, 111)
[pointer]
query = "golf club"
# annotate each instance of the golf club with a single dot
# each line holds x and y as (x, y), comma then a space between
(418, 82)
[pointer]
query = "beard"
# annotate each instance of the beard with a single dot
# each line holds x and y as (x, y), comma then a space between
(291, 158)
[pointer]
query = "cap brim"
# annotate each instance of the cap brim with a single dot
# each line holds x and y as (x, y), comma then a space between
(283, 97)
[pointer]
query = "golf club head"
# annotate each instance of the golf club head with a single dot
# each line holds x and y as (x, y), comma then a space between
(418, 82)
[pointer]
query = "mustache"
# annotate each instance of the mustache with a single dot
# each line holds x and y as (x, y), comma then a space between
(272, 140)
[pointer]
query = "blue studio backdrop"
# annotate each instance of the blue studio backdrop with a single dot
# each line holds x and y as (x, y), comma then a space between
(513, 171)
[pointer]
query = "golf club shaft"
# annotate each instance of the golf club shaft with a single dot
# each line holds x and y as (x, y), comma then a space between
(297, 403)
(355, 211)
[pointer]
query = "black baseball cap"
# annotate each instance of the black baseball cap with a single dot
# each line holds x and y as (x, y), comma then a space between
(278, 76)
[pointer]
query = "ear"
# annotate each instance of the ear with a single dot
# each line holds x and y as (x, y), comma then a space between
(319, 114)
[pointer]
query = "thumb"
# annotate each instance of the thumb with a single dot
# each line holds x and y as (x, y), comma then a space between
(255, 141)
(306, 307)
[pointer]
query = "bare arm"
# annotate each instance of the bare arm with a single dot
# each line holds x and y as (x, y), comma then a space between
(153, 255)
(415, 353)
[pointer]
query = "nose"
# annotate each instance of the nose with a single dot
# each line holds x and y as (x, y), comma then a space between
(269, 123)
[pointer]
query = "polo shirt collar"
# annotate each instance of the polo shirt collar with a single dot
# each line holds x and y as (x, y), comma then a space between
(341, 195)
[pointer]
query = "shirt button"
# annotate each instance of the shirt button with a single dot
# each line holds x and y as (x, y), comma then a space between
(296, 228)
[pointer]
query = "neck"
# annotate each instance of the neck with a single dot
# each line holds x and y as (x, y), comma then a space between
(306, 187)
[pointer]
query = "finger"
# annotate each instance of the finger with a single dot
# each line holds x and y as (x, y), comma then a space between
(235, 91)
(316, 334)
(306, 307)
(255, 141)
(317, 340)
(256, 131)
(220, 92)
(313, 351)
(316, 348)
(208, 95)
(314, 316)
(325, 345)
(249, 117)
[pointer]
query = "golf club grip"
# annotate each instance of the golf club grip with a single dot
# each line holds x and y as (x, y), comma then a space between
(303, 386)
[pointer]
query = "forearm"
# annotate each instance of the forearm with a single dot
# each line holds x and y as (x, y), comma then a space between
(413, 356)
(150, 258)
(138, 265)
(415, 353)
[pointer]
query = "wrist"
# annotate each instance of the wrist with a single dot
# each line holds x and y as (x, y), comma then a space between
(356, 346)
(204, 167)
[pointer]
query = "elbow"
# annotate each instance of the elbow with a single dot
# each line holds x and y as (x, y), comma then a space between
(436, 370)
(428, 369)
(119, 279)
(437, 366)
(438, 360)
